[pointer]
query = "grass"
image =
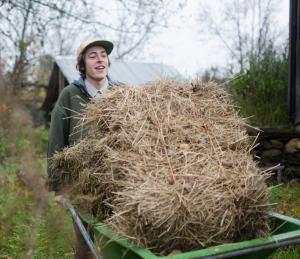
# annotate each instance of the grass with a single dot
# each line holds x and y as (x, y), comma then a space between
(287, 198)
(32, 224)
(33, 227)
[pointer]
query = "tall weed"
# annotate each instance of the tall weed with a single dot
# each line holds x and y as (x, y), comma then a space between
(31, 224)
(261, 91)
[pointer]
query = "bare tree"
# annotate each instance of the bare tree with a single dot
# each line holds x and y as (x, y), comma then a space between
(23, 29)
(63, 32)
(244, 27)
(26, 26)
(128, 23)
(143, 19)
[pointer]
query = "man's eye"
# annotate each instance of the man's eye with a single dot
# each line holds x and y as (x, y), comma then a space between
(92, 56)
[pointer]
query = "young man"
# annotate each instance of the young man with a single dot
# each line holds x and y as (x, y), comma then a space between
(93, 64)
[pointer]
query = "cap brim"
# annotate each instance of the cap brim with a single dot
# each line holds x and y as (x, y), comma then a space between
(107, 45)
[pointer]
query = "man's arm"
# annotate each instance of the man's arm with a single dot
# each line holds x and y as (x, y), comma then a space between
(57, 140)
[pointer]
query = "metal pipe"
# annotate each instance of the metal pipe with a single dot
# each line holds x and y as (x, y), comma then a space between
(83, 231)
(276, 244)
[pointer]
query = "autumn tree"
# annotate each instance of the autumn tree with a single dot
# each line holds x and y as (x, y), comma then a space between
(31, 28)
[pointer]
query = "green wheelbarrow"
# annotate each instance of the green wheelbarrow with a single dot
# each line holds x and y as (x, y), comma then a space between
(286, 232)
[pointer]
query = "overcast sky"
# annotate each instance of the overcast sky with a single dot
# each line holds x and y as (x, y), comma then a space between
(182, 47)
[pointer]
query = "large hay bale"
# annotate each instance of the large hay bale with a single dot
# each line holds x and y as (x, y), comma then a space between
(169, 166)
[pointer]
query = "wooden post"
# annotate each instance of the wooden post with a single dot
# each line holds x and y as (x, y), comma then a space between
(294, 62)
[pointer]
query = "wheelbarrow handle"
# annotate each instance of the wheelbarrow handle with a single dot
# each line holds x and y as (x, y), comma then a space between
(82, 230)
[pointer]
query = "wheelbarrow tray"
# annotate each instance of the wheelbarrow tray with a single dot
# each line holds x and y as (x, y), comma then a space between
(286, 231)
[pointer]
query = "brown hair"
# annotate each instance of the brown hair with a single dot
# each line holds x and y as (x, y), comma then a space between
(80, 66)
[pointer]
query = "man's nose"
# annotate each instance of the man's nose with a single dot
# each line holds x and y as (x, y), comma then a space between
(99, 59)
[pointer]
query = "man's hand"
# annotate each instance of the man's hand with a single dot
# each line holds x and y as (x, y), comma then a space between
(61, 199)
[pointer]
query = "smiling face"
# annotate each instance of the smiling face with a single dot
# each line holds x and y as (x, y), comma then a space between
(96, 65)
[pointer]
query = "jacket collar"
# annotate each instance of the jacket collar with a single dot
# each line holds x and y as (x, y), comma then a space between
(81, 85)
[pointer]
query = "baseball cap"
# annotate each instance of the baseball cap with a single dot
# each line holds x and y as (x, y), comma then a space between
(107, 45)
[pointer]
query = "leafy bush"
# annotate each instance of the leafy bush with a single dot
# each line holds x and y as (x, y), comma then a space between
(32, 225)
(22, 144)
(48, 234)
(40, 139)
(3, 146)
(261, 90)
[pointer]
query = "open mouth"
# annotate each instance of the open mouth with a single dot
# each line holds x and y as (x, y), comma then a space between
(100, 68)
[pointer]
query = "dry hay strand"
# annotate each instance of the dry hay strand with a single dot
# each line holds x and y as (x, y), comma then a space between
(169, 166)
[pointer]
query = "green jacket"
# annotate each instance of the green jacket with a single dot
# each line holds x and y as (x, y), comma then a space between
(64, 119)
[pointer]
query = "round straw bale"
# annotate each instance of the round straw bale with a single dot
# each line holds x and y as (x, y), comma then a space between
(169, 166)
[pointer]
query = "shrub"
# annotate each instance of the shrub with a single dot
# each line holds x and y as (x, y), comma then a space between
(261, 90)
(3, 146)
(40, 139)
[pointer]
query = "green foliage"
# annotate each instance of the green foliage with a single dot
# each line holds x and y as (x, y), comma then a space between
(14, 217)
(24, 44)
(290, 252)
(9, 168)
(287, 198)
(32, 225)
(261, 90)
(41, 139)
(22, 144)
(25, 227)
(17, 221)
(42, 164)
(56, 238)
(3, 146)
